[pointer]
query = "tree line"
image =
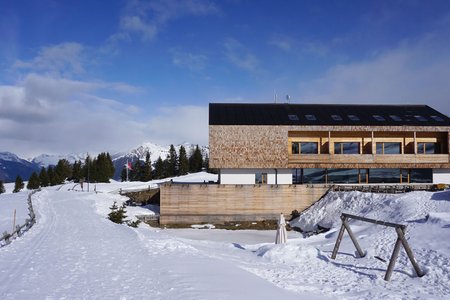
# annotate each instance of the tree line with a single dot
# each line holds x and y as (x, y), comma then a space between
(175, 164)
(98, 169)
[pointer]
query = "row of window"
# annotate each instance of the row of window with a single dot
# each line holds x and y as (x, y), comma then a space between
(354, 148)
(330, 176)
(376, 117)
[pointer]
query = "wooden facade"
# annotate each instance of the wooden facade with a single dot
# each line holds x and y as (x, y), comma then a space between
(250, 146)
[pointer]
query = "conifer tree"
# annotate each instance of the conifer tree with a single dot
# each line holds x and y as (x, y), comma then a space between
(172, 160)
(158, 168)
(183, 162)
(117, 214)
(147, 168)
(18, 185)
(63, 169)
(196, 160)
(136, 172)
(51, 176)
(2, 187)
(43, 178)
(33, 182)
(123, 174)
(76, 171)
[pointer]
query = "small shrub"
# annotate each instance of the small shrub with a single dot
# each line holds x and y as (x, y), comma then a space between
(294, 214)
(117, 214)
(134, 224)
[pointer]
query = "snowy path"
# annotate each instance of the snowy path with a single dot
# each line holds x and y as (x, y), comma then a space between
(74, 253)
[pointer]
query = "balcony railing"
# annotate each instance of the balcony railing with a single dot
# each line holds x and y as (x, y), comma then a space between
(369, 158)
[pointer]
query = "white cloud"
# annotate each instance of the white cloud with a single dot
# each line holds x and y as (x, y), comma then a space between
(415, 72)
(240, 56)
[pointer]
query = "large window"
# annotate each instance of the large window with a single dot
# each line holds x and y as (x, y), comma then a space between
(343, 176)
(389, 148)
(305, 148)
(384, 175)
(346, 148)
(313, 175)
(427, 148)
(421, 176)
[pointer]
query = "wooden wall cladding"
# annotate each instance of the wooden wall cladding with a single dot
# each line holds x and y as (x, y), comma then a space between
(269, 146)
(190, 203)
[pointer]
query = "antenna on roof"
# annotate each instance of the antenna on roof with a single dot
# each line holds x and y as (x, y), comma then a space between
(288, 99)
(275, 97)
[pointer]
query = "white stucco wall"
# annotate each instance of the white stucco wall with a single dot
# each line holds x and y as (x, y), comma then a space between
(247, 176)
(441, 176)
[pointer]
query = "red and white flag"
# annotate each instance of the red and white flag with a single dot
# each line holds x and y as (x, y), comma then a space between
(128, 166)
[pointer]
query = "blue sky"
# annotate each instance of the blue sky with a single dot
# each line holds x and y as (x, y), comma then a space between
(81, 76)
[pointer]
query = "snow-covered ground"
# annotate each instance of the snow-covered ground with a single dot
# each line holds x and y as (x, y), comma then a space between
(74, 252)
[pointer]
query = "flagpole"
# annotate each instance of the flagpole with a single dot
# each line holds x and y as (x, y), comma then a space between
(127, 169)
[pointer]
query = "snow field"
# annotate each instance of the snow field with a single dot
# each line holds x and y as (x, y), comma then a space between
(74, 252)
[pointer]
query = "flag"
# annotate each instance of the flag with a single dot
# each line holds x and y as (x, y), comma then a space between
(128, 166)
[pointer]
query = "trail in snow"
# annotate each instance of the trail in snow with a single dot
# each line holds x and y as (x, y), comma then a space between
(74, 253)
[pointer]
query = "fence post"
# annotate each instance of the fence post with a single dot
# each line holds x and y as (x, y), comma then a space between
(6, 237)
(401, 236)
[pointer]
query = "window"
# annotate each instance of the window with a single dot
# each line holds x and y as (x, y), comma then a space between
(314, 175)
(379, 118)
(308, 148)
(310, 117)
(353, 117)
(437, 118)
(421, 175)
(346, 148)
(427, 148)
(293, 117)
(260, 178)
(389, 148)
(420, 118)
(395, 118)
(336, 117)
(342, 176)
(304, 148)
(384, 175)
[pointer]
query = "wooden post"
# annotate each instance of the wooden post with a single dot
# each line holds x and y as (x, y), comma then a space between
(401, 236)
(339, 239)
(394, 256)
(352, 236)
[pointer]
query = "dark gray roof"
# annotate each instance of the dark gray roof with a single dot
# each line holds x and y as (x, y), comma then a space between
(324, 114)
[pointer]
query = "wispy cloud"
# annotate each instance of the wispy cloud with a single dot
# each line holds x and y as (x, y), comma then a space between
(413, 72)
(282, 42)
(240, 56)
(59, 60)
(145, 19)
(193, 62)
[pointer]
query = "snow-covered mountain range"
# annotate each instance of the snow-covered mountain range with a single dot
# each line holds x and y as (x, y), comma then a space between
(11, 165)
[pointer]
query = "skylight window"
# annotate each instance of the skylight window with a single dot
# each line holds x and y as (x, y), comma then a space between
(420, 118)
(437, 118)
(293, 117)
(379, 118)
(336, 117)
(395, 118)
(310, 117)
(353, 117)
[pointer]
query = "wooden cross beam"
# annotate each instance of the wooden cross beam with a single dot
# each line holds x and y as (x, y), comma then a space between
(401, 240)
